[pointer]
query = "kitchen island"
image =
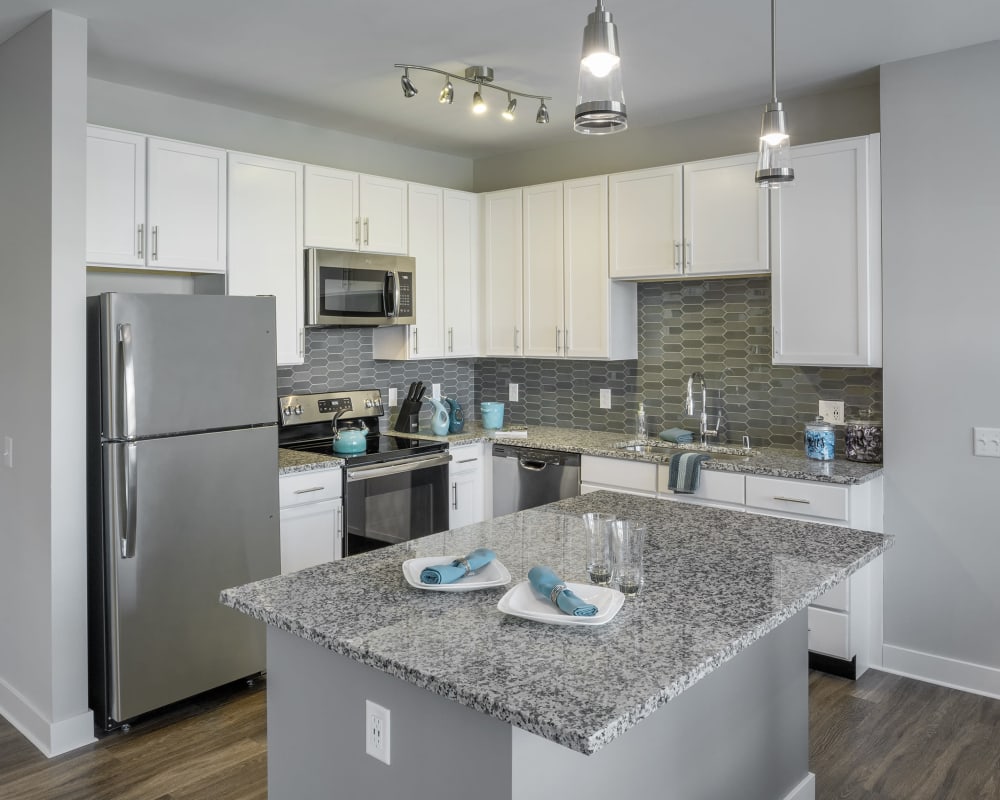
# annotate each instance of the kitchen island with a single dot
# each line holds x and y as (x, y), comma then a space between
(697, 688)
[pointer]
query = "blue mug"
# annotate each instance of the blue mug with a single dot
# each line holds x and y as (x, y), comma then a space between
(491, 415)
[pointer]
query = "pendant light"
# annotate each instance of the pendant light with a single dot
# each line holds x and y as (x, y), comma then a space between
(774, 161)
(600, 101)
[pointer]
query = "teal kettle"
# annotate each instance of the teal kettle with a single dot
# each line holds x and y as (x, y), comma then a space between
(440, 419)
(350, 440)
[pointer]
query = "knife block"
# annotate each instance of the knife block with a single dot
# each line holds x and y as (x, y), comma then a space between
(408, 420)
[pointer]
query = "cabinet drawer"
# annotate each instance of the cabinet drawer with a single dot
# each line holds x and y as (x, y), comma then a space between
(798, 498)
(838, 598)
(309, 487)
(829, 632)
(715, 487)
(636, 476)
(466, 458)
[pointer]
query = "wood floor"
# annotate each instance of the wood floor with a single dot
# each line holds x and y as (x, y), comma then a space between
(880, 738)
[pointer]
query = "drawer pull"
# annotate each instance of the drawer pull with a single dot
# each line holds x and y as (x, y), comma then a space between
(307, 491)
(793, 500)
(466, 460)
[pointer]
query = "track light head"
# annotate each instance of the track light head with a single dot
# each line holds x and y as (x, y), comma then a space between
(542, 117)
(408, 88)
(447, 93)
(478, 104)
(508, 113)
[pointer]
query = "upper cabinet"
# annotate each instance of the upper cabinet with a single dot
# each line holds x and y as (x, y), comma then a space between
(349, 211)
(502, 274)
(703, 219)
(826, 257)
(155, 203)
(443, 234)
(542, 254)
(265, 242)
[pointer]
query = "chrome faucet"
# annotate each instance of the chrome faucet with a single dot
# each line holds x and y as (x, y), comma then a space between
(704, 431)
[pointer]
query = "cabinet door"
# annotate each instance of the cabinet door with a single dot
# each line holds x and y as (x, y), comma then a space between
(426, 215)
(467, 485)
(265, 248)
(502, 275)
(461, 267)
(826, 299)
(310, 535)
(332, 216)
(383, 215)
(645, 222)
(725, 218)
(543, 270)
(116, 198)
(585, 259)
(187, 207)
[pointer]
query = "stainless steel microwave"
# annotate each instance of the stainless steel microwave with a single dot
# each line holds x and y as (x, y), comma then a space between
(347, 288)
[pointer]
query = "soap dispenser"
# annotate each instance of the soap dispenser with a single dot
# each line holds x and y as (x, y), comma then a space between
(640, 422)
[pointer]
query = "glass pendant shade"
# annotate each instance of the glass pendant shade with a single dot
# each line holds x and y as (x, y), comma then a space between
(774, 159)
(600, 100)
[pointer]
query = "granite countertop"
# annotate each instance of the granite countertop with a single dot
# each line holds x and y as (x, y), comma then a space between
(291, 461)
(716, 581)
(770, 461)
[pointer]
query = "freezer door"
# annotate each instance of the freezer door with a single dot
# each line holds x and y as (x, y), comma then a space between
(179, 363)
(206, 518)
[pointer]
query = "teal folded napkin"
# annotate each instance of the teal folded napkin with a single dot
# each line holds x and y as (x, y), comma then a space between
(546, 583)
(677, 436)
(459, 568)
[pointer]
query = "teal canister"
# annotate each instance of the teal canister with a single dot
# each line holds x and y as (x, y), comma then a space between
(819, 440)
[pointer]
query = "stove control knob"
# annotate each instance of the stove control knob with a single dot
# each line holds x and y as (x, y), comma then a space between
(298, 410)
(368, 403)
(287, 411)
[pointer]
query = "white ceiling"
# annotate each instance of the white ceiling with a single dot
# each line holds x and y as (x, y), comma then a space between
(329, 62)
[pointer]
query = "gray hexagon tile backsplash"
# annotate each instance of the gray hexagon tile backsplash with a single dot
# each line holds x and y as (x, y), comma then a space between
(721, 328)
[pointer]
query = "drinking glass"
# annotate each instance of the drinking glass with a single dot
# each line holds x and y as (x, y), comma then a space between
(598, 547)
(627, 540)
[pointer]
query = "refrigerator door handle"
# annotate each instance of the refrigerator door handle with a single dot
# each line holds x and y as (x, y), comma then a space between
(131, 501)
(128, 377)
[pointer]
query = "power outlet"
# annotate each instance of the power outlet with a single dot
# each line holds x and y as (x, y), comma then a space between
(512, 393)
(436, 391)
(393, 398)
(605, 398)
(377, 731)
(986, 442)
(832, 411)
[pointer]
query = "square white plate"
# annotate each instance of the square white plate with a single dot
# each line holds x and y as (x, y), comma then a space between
(493, 574)
(521, 601)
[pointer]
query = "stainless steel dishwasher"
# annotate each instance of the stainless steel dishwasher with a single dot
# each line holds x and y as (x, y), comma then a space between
(525, 477)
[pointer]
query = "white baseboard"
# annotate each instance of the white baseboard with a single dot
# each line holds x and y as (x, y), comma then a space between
(949, 672)
(805, 790)
(51, 738)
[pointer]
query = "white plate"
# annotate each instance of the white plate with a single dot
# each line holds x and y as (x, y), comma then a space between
(521, 601)
(493, 574)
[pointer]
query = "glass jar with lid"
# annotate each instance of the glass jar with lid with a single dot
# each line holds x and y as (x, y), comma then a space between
(863, 438)
(819, 440)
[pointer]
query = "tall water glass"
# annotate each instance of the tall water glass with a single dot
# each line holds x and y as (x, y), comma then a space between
(598, 547)
(627, 540)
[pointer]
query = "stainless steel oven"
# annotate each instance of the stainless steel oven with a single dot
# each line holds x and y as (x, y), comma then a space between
(359, 289)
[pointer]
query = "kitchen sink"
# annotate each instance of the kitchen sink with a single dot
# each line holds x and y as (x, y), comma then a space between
(716, 452)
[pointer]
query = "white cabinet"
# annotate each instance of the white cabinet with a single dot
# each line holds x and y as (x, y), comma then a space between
(155, 203)
(703, 219)
(617, 474)
(444, 241)
(502, 273)
(566, 302)
(350, 211)
(721, 489)
(467, 479)
(826, 301)
(265, 242)
(311, 518)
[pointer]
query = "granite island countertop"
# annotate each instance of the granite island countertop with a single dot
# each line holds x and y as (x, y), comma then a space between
(716, 581)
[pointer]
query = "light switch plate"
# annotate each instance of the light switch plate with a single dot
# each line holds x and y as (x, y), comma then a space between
(986, 442)
(436, 391)
(605, 398)
(393, 398)
(512, 393)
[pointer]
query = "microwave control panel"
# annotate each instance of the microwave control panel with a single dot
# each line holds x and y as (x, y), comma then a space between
(405, 295)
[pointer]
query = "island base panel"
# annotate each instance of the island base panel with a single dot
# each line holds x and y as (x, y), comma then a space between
(742, 731)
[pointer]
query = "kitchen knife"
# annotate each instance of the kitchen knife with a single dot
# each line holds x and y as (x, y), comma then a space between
(418, 392)
(423, 391)
(412, 393)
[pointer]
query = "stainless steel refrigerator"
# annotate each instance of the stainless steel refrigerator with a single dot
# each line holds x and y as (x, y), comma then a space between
(182, 493)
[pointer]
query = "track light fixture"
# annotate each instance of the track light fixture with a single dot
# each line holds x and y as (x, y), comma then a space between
(774, 159)
(480, 77)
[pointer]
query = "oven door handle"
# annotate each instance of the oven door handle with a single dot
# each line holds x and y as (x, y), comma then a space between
(407, 465)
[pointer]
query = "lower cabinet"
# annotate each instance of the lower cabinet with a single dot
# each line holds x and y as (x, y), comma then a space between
(311, 518)
(619, 475)
(467, 484)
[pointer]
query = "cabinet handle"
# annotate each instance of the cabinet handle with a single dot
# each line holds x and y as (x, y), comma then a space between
(302, 342)
(466, 461)
(776, 341)
(689, 248)
(566, 342)
(558, 341)
(357, 229)
(454, 496)
(677, 256)
(517, 340)
(366, 231)
(793, 500)
(142, 240)
(156, 242)
(416, 341)
(309, 490)
(451, 340)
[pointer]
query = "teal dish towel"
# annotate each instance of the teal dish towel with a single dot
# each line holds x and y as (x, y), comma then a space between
(459, 568)
(677, 436)
(546, 583)
(685, 471)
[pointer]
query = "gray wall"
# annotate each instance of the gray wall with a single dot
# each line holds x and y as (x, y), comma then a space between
(43, 624)
(813, 118)
(940, 179)
(144, 111)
